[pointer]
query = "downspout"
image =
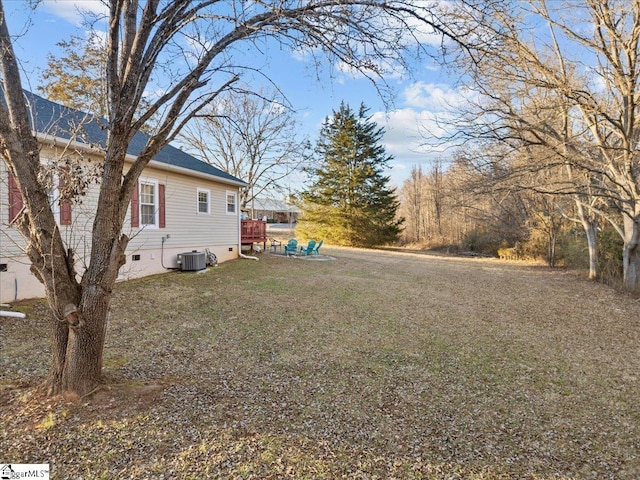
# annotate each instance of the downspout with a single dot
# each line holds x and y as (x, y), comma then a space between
(164, 239)
(8, 313)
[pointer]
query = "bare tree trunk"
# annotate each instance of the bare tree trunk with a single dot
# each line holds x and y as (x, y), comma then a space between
(77, 350)
(59, 341)
(436, 178)
(631, 254)
(591, 232)
(413, 203)
(78, 341)
(83, 362)
(552, 246)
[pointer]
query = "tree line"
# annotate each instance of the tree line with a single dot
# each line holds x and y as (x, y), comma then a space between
(454, 207)
(550, 131)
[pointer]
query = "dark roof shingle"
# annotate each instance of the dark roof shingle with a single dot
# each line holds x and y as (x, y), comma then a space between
(63, 122)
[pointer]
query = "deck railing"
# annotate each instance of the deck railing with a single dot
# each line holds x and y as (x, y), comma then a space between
(253, 231)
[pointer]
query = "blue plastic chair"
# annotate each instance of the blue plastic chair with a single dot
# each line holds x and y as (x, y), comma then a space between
(308, 249)
(316, 251)
(291, 248)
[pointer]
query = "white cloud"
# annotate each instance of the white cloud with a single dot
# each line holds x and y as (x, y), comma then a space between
(418, 31)
(423, 34)
(404, 132)
(414, 136)
(435, 97)
(74, 10)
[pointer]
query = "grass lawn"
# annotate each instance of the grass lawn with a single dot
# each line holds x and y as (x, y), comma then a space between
(372, 365)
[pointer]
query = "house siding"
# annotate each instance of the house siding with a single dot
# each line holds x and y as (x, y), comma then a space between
(74, 234)
(185, 230)
(183, 222)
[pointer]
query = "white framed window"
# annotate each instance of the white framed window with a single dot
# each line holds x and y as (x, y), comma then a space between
(204, 197)
(149, 207)
(232, 201)
(60, 208)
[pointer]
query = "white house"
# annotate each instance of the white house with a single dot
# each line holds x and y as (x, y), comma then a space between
(278, 211)
(182, 204)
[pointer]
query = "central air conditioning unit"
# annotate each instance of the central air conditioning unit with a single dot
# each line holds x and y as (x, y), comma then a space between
(192, 261)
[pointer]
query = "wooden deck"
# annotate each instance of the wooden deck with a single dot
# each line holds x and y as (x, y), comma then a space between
(253, 231)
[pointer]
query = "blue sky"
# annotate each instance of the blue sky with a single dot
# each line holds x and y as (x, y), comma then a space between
(418, 102)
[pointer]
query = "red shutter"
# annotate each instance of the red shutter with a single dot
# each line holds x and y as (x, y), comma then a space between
(15, 198)
(65, 205)
(135, 208)
(161, 213)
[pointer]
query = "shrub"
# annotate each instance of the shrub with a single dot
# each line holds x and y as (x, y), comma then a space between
(481, 241)
(610, 256)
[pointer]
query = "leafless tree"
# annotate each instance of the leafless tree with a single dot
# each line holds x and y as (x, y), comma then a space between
(564, 77)
(183, 49)
(253, 136)
(412, 203)
(436, 206)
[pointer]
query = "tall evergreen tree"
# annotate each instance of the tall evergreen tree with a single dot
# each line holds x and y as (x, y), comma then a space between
(349, 201)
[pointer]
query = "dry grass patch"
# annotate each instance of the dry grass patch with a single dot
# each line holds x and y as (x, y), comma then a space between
(373, 365)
